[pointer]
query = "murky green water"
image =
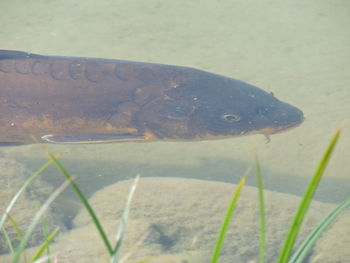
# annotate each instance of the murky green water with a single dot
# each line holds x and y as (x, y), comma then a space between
(299, 50)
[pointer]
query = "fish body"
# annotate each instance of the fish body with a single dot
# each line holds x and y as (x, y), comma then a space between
(90, 100)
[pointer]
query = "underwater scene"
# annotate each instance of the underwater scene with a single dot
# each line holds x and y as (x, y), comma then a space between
(174, 131)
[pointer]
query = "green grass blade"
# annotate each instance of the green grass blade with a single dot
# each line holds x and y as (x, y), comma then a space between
(308, 243)
(21, 190)
(305, 202)
(45, 244)
(146, 260)
(15, 226)
(225, 223)
(18, 232)
(8, 240)
(85, 203)
(123, 221)
(262, 216)
(44, 229)
(35, 221)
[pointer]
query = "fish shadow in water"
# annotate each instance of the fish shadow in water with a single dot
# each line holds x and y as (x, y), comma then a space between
(93, 176)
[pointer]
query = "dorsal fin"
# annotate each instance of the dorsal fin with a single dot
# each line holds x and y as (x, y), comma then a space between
(14, 54)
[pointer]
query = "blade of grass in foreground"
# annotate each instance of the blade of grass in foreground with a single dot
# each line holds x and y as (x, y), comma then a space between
(15, 226)
(18, 233)
(45, 231)
(45, 244)
(123, 221)
(21, 190)
(8, 240)
(35, 221)
(225, 223)
(261, 210)
(308, 243)
(85, 203)
(305, 202)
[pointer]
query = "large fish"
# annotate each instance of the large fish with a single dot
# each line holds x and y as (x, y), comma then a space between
(90, 100)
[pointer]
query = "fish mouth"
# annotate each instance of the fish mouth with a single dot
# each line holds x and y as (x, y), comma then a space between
(280, 129)
(289, 118)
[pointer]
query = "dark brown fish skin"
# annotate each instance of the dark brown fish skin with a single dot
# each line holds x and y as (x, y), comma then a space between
(41, 95)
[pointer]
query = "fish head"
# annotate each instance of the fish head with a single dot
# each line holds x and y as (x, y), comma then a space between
(213, 107)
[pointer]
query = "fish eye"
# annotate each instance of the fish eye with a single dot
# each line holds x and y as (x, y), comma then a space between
(229, 117)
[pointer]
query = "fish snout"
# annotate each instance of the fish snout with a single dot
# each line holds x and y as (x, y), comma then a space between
(288, 117)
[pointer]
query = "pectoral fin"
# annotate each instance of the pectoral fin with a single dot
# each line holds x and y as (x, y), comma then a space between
(94, 138)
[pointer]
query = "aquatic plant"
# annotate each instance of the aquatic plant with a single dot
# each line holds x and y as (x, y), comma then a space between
(114, 251)
(24, 238)
(286, 249)
(20, 250)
